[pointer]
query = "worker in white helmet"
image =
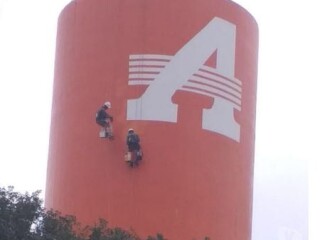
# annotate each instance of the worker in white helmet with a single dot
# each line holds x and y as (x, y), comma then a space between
(133, 143)
(104, 119)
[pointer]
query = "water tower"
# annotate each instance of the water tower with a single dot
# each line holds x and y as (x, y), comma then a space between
(182, 73)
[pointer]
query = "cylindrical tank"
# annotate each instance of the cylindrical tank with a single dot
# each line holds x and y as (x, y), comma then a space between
(182, 73)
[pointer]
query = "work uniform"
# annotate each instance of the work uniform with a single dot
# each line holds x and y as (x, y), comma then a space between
(133, 142)
(102, 117)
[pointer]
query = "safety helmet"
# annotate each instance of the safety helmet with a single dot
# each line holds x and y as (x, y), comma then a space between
(107, 104)
(130, 130)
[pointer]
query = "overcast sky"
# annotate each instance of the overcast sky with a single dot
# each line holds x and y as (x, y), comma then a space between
(287, 126)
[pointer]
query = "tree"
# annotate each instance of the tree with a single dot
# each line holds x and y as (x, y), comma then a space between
(54, 226)
(18, 213)
(101, 231)
(157, 237)
(22, 217)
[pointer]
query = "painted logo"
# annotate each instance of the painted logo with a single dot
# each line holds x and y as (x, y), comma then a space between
(186, 71)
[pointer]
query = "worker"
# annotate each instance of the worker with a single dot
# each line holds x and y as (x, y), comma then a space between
(133, 143)
(104, 119)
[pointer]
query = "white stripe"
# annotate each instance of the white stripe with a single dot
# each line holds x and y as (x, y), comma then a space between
(145, 69)
(143, 81)
(219, 79)
(213, 90)
(139, 82)
(217, 85)
(147, 63)
(213, 70)
(142, 75)
(150, 56)
(154, 57)
(236, 106)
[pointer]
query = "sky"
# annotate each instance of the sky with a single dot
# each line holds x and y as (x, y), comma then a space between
(287, 121)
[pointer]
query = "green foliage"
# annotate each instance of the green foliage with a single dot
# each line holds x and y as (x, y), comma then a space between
(157, 237)
(22, 217)
(100, 231)
(55, 226)
(18, 213)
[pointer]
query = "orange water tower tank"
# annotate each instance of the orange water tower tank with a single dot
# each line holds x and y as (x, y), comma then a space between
(182, 73)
